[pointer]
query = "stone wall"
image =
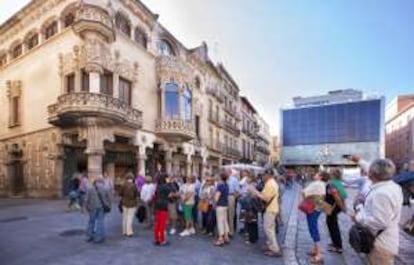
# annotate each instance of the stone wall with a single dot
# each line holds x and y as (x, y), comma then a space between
(42, 164)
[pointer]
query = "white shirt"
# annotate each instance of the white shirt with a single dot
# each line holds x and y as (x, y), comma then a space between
(382, 210)
(316, 187)
(147, 191)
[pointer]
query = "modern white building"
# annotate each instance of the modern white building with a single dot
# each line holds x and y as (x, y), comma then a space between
(322, 129)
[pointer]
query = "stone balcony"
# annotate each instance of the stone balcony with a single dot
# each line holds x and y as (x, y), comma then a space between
(231, 127)
(70, 107)
(175, 129)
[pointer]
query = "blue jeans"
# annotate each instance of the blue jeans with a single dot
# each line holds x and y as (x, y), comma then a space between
(95, 229)
(312, 219)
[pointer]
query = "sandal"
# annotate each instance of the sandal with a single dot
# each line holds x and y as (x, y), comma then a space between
(316, 260)
(219, 243)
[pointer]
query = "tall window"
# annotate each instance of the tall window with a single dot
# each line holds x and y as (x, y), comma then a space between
(244, 147)
(140, 37)
(106, 83)
(123, 24)
(165, 48)
(68, 19)
(210, 108)
(217, 113)
(197, 126)
(186, 112)
(3, 59)
(17, 50)
(51, 30)
(210, 135)
(32, 41)
(85, 81)
(15, 119)
(125, 90)
(171, 100)
(70, 83)
(197, 82)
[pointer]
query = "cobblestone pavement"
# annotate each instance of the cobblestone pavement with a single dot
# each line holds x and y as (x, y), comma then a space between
(349, 257)
(41, 232)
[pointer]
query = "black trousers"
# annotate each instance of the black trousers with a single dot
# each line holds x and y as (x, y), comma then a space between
(333, 227)
(209, 220)
(253, 231)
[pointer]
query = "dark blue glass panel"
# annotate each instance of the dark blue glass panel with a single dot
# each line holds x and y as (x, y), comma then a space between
(347, 122)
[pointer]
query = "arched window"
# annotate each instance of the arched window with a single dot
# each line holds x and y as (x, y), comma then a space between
(197, 82)
(171, 100)
(165, 48)
(50, 29)
(68, 19)
(122, 23)
(16, 50)
(140, 37)
(32, 40)
(3, 58)
(186, 111)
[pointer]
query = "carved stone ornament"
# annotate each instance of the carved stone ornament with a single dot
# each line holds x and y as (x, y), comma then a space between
(170, 67)
(14, 88)
(21, 21)
(95, 134)
(94, 19)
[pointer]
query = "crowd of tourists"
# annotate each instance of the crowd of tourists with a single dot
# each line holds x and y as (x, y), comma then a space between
(375, 211)
(213, 205)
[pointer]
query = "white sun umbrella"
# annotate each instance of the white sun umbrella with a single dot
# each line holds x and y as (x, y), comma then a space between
(241, 166)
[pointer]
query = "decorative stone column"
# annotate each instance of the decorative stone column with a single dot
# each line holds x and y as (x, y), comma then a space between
(188, 164)
(141, 159)
(176, 166)
(168, 161)
(204, 166)
(95, 132)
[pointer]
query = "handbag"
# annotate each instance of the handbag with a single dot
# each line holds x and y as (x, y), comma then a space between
(120, 206)
(105, 207)
(326, 207)
(203, 206)
(307, 206)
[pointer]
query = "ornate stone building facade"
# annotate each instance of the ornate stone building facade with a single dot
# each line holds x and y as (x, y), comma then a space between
(262, 141)
(101, 86)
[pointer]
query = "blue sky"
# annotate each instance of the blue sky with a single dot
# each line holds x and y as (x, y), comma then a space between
(277, 49)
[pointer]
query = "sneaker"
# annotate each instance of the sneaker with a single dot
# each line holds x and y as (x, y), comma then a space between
(185, 233)
(172, 231)
(192, 231)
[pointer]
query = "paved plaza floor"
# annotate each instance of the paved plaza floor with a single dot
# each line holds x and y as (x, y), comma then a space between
(349, 257)
(40, 232)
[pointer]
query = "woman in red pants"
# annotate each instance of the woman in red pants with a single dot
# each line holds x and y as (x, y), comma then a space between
(161, 211)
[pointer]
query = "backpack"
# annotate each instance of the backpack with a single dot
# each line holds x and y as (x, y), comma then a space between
(362, 239)
(141, 214)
